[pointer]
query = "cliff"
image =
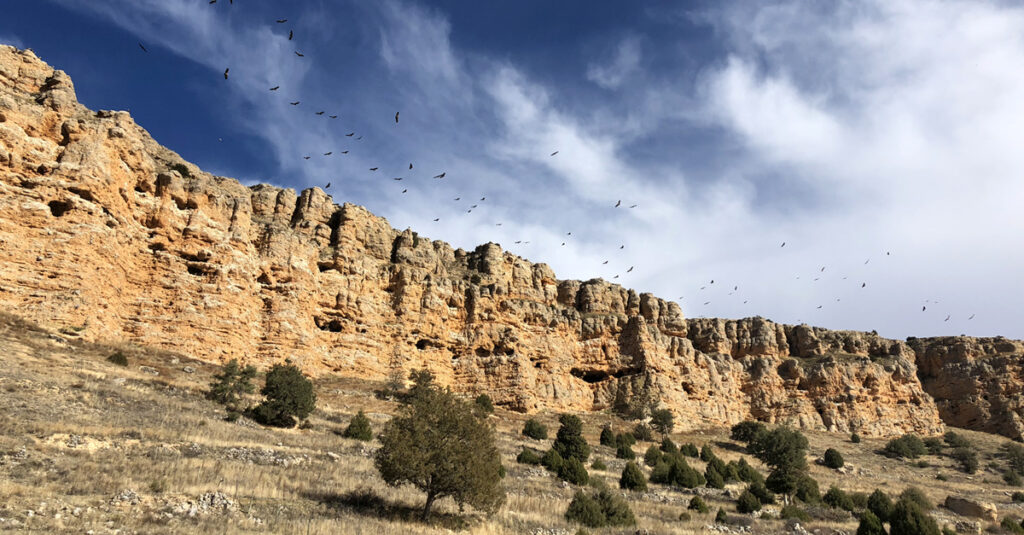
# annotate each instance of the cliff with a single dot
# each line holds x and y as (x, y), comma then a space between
(105, 232)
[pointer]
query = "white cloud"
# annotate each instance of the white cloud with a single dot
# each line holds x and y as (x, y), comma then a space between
(13, 40)
(626, 62)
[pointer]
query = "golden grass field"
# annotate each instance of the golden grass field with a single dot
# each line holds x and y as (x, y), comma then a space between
(77, 431)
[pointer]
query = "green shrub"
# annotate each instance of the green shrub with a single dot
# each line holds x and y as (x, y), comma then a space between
(1012, 525)
(785, 451)
(643, 432)
(794, 512)
(288, 395)
(484, 404)
(652, 456)
(747, 431)
(667, 446)
(966, 458)
(917, 497)
(721, 517)
(706, 453)
(440, 444)
(1012, 478)
(941, 477)
(623, 451)
(1014, 454)
(762, 493)
(684, 516)
(905, 447)
(662, 421)
(833, 459)
(569, 442)
(1017, 497)
(118, 358)
(689, 450)
(535, 430)
(697, 504)
(359, 428)
(922, 464)
(552, 460)
(956, 440)
(908, 519)
(837, 499)
(748, 473)
(528, 456)
(181, 169)
(607, 436)
(573, 471)
(870, 524)
(632, 478)
(747, 503)
(880, 504)
(807, 490)
(604, 509)
(934, 445)
(626, 438)
(713, 478)
(598, 464)
(855, 438)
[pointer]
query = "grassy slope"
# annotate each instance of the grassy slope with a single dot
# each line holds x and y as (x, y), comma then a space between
(91, 429)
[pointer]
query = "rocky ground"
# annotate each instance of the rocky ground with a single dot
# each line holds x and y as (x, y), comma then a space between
(87, 446)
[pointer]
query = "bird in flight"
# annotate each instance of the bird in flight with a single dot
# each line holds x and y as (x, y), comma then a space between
(483, 198)
(554, 153)
(634, 206)
(328, 185)
(863, 284)
(305, 157)
(142, 47)
(290, 35)
(603, 263)
(404, 190)
(822, 269)
(970, 318)
(819, 306)
(226, 73)
(319, 113)
(344, 152)
(783, 244)
(438, 219)
(457, 198)
(410, 166)
(441, 175)
(300, 54)
(333, 116)
(947, 318)
(328, 153)
(296, 103)
(618, 204)
(396, 116)
(282, 21)
(398, 178)
(622, 247)
(923, 307)
(374, 168)
(275, 88)
(630, 269)
(350, 134)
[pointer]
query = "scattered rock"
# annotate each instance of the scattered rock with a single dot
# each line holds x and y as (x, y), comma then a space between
(188, 369)
(149, 369)
(967, 507)
(126, 496)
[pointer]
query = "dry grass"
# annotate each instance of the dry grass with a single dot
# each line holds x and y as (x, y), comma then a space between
(91, 429)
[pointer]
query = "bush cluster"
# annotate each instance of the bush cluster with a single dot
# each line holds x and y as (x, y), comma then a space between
(535, 430)
(600, 510)
(528, 456)
(359, 428)
(833, 459)
(118, 358)
(632, 478)
(697, 504)
(288, 396)
(674, 470)
(905, 447)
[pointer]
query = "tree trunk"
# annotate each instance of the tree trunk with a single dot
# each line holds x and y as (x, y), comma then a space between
(426, 508)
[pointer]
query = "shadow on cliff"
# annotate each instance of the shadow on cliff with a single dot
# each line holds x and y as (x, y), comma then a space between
(366, 502)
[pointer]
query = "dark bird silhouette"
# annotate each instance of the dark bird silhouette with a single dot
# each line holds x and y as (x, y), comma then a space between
(615, 277)
(305, 157)
(712, 281)
(213, 1)
(622, 247)
(568, 233)
(344, 152)
(404, 190)
(819, 306)
(319, 113)
(630, 269)
(734, 288)
(863, 284)
(143, 48)
(282, 21)
(923, 307)
(350, 134)
(396, 116)
(226, 73)
(300, 54)
(438, 219)
(783, 244)
(358, 138)
(887, 253)
(333, 116)
(554, 153)
(441, 175)
(328, 185)
(374, 168)
(970, 318)
(328, 153)
(474, 206)
(483, 198)
(947, 318)
(290, 34)
(618, 204)
(296, 103)
(410, 166)
(634, 206)
(497, 224)
(398, 178)
(457, 198)
(603, 263)
(275, 88)
(822, 269)
(866, 261)
(707, 302)
(563, 244)
(519, 241)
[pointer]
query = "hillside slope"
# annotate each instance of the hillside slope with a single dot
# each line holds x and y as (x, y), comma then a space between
(105, 232)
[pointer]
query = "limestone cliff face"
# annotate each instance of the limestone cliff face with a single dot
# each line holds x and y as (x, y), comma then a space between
(105, 231)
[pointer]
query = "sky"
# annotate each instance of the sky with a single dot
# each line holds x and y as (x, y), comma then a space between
(881, 141)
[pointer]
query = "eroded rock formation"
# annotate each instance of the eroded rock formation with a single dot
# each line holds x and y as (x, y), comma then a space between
(104, 231)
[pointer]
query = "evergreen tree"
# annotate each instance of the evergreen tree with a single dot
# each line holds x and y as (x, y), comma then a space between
(359, 428)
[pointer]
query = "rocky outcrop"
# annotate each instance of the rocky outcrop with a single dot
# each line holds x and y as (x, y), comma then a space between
(971, 508)
(977, 383)
(104, 231)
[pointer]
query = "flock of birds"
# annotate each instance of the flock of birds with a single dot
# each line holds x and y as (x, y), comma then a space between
(443, 174)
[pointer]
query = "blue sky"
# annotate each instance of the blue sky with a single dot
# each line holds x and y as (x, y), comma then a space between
(880, 140)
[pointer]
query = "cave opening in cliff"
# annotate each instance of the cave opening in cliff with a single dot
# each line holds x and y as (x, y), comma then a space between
(422, 344)
(333, 326)
(590, 376)
(59, 208)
